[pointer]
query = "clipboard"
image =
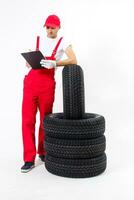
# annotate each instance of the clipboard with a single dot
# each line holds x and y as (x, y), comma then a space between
(34, 58)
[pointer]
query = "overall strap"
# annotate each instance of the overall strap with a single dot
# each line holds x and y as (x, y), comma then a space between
(56, 47)
(37, 43)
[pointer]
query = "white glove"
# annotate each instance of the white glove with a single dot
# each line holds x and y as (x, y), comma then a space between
(48, 63)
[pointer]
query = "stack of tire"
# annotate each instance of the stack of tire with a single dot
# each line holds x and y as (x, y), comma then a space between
(74, 140)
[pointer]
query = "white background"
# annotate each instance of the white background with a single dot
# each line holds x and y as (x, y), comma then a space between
(102, 35)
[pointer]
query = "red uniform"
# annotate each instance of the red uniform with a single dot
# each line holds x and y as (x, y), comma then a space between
(38, 93)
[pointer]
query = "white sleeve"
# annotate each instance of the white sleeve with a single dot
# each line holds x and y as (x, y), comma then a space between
(66, 43)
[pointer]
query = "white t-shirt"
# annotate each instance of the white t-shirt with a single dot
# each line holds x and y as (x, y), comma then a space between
(47, 45)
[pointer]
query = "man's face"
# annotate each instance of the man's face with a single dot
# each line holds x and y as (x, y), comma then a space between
(52, 32)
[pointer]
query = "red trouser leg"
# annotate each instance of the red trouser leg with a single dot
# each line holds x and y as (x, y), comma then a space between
(46, 100)
(29, 110)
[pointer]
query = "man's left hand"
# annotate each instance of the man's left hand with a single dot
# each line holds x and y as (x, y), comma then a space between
(48, 63)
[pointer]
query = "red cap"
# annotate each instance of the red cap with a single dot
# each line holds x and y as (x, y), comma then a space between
(52, 21)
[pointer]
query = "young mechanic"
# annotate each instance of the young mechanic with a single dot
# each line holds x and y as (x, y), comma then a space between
(39, 89)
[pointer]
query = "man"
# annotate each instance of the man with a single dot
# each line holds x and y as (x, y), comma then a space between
(39, 89)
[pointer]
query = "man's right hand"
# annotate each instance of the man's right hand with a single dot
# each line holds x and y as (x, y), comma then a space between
(27, 64)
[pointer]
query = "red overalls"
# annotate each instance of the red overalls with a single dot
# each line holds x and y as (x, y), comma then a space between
(38, 92)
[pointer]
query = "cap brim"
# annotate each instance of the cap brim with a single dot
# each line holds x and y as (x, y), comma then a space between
(51, 25)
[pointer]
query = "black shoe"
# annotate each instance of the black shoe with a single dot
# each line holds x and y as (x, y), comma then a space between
(42, 157)
(27, 166)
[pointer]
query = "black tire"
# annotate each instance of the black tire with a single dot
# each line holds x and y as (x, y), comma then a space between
(73, 92)
(76, 168)
(91, 126)
(75, 148)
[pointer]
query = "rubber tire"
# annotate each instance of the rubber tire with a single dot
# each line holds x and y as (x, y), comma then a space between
(91, 126)
(76, 168)
(73, 92)
(75, 148)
